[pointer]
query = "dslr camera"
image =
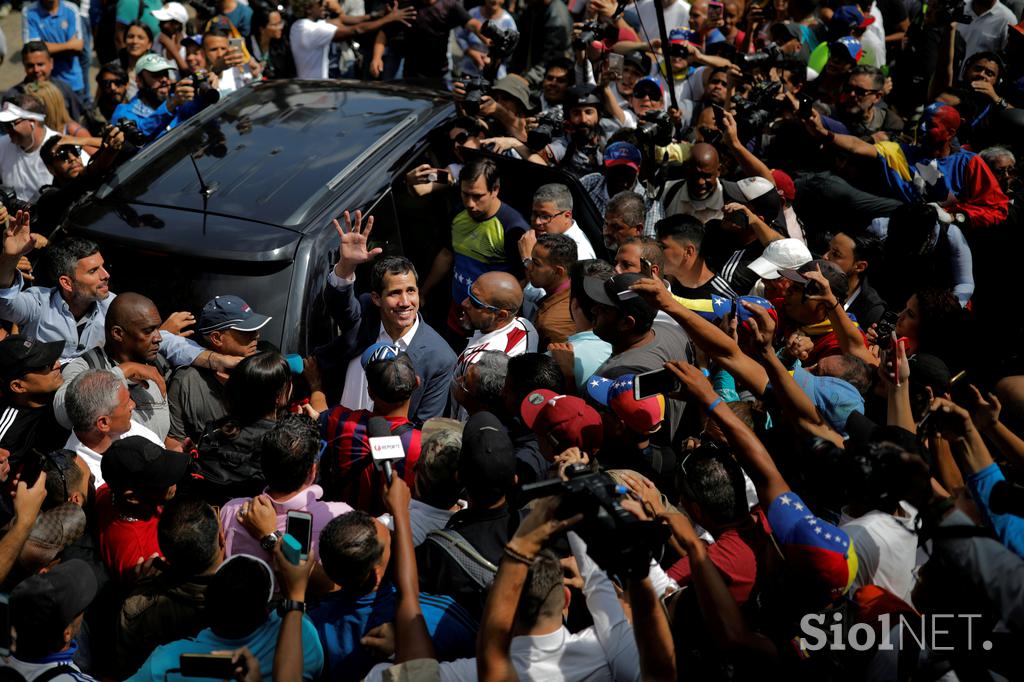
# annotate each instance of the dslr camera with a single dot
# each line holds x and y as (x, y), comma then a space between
(132, 134)
(655, 129)
(549, 126)
(618, 541)
(476, 87)
(9, 199)
(205, 92)
(503, 41)
(757, 108)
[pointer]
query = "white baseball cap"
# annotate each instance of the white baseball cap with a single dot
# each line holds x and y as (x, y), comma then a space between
(12, 112)
(781, 254)
(172, 11)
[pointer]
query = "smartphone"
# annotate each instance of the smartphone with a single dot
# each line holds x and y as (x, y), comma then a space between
(719, 116)
(661, 381)
(716, 10)
(300, 527)
(615, 63)
(217, 666)
(5, 626)
(31, 468)
(806, 108)
(235, 43)
(738, 218)
(886, 326)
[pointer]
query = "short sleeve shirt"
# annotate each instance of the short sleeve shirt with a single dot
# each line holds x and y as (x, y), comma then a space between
(61, 27)
(484, 246)
(310, 40)
(128, 11)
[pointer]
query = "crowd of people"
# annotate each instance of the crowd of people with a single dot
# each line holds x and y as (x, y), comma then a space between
(764, 418)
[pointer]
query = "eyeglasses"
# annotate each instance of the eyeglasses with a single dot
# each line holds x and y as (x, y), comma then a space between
(480, 305)
(556, 79)
(859, 91)
(1005, 171)
(111, 82)
(64, 152)
(544, 219)
(460, 138)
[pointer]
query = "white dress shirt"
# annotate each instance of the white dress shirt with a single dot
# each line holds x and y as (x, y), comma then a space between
(92, 458)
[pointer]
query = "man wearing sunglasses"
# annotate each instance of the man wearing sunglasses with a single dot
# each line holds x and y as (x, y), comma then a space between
(489, 312)
(111, 91)
(29, 379)
(858, 106)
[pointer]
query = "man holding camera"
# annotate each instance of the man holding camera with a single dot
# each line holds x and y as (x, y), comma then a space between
(161, 105)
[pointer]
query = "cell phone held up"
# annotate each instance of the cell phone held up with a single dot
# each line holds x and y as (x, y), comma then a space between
(885, 327)
(658, 382)
(300, 526)
(615, 65)
(716, 10)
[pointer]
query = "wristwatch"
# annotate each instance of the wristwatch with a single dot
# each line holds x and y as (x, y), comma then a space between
(527, 261)
(269, 542)
(291, 605)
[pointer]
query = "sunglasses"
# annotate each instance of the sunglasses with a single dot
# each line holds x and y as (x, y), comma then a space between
(111, 82)
(460, 138)
(859, 91)
(480, 305)
(64, 152)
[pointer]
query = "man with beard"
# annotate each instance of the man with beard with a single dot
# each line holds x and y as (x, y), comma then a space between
(579, 151)
(71, 177)
(195, 394)
(484, 237)
(858, 106)
(157, 108)
(389, 314)
(699, 193)
(958, 180)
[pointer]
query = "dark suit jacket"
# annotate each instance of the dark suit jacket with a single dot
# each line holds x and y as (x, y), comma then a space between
(868, 307)
(359, 320)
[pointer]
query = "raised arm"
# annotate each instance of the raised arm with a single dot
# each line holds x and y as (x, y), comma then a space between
(412, 639)
(749, 451)
(27, 503)
(748, 162)
(985, 415)
(288, 657)
(851, 340)
(847, 143)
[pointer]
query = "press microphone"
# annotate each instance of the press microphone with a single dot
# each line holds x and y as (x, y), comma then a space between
(384, 447)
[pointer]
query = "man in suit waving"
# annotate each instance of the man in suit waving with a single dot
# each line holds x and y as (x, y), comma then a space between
(389, 313)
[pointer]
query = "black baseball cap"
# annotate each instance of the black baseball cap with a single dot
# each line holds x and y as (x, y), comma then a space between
(229, 312)
(20, 355)
(134, 460)
(639, 60)
(582, 96)
(931, 371)
(487, 461)
(616, 292)
(46, 603)
(837, 280)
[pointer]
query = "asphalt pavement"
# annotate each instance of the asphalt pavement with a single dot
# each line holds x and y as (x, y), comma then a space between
(11, 72)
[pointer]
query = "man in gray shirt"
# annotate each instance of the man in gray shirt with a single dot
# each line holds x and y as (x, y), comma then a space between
(641, 340)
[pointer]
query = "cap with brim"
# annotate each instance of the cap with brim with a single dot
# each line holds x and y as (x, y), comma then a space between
(487, 458)
(760, 196)
(684, 36)
(136, 462)
(563, 420)
(638, 60)
(931, 371)
(54, 530)
(847, 46)
(784, 31)
(516, 88)
(781, 253)
(641, 416)
(616, 292)
(622, 154)
(582, 96)
(229, 312)
(172, 11)
(153, 63)
(850, 17)
(379, 351)
(837, 280)
(12, 112)
(650, 86)
(46, 602)
(20, 355)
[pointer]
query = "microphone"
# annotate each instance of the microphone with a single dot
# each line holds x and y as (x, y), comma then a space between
(384, 447)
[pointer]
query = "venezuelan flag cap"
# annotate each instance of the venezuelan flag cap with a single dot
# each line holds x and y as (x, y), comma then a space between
(641, 416)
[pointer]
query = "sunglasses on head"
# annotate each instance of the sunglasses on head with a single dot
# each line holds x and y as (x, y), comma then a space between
(480, 305)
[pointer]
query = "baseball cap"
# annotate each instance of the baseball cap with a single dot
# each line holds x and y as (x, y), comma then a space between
(684, 36)
(53, 531)
(650, 86)
(172, 11)
(639, 60)
(581, 95)
(848, 46)
(45, 603)
(12, 112)
(641, 416)
(784, 31)
(153, 63)
(565, 420)
(229, 312)
(836, 278)
(931, 371)
(781, 253)
(379, 351)
(516, 88)
(487, 461)
(721, 306)
(20, 355)
(760, 196)
(135, 459)
(784, 184)
(622, 154)
(849, 17)
(615, 292)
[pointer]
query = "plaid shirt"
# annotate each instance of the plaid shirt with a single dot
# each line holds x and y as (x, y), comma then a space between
(597, 188)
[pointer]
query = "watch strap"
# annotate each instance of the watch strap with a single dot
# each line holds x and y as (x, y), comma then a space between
(291, 605)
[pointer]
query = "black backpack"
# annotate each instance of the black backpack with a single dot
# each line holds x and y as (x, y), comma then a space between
(226, 461)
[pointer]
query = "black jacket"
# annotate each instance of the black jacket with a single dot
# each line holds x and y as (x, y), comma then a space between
(868, 307)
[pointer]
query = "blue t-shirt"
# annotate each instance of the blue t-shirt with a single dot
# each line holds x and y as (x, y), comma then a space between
(38, 24)
(1009, 528)
(262, 643)
(241, 17)
(342, 621)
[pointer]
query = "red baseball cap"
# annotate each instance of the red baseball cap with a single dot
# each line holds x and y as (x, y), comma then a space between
(564, 420)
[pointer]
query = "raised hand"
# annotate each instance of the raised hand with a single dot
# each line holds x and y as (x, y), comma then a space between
(761, 326)
(353, 240)
(985, 413)
(18, 239)
(656, 293)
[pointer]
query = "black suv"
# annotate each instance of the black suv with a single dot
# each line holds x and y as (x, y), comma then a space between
(239, 199)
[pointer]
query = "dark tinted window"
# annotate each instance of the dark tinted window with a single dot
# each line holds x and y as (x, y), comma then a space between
(314, 133)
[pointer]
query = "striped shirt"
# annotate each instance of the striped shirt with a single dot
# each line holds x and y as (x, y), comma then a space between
(347, 465)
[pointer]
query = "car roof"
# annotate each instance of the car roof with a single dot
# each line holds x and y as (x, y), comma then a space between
(272, 153)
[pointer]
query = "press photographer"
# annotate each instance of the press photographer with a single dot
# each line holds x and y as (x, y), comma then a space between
(161, 104)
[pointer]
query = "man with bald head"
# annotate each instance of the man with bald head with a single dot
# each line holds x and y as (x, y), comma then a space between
(699, 193)
(132, 352)
(490, 312)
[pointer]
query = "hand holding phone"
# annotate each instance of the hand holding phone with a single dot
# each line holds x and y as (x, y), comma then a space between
(660, 381)
(716, 11)
(300, 527)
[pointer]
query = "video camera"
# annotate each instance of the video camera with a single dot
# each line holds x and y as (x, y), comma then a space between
(771, 54)
(476, 87)
(9, 199)
(549, 126)
(948, 11)
(655, 129)
(503, 40)
(757, 108)
(618, 541)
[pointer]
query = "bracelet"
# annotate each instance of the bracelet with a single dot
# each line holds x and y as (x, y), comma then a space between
(712, 406)
(835, 305)
(516, 555)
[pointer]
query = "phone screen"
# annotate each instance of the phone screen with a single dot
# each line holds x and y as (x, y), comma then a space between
(235, 43)
(217, 666)
(660, 381)
(300, 527)
(715, 11)
(615, 63)
(31, 468)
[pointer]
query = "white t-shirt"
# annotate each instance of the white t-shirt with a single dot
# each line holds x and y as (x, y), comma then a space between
(92, 458)
(886, 551)
(310, 40)
(646, 19)
(25, 173)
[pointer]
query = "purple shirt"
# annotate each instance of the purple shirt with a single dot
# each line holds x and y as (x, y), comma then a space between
(238, 541)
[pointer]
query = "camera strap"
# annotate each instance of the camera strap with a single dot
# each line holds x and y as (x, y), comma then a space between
(474, 564)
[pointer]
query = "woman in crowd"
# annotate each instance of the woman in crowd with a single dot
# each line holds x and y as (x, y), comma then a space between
(138, 40)
(57, 117)
(268, 43)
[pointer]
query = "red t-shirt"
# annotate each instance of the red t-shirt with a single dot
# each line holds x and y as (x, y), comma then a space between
(123, 542)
